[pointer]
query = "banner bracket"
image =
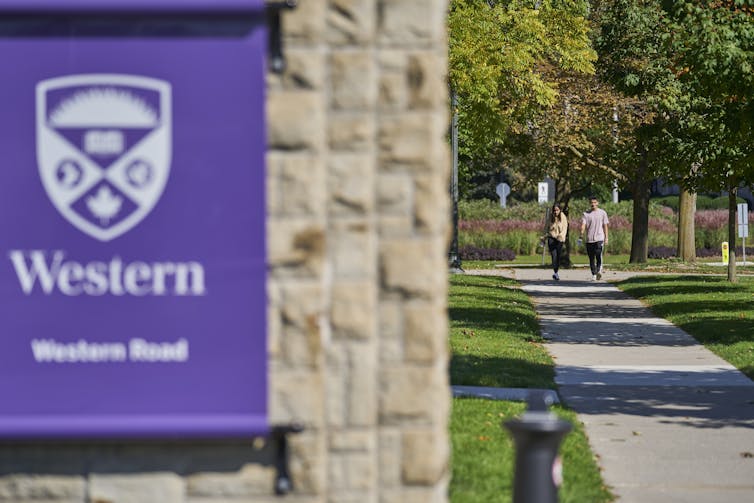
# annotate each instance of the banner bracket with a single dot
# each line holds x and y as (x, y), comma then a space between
(279, 435)
(277, 59)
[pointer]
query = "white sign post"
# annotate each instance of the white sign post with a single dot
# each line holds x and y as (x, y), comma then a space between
(542, 187)
(743, 225)
(503, 191)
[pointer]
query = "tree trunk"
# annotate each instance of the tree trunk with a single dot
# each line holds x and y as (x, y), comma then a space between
(640, 226)
(686, 237)
(732, 235)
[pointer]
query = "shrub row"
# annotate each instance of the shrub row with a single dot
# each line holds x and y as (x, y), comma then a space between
(702, 202)
(663, 252)
(471, 252)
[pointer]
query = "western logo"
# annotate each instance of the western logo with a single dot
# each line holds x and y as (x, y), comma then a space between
(104, 148)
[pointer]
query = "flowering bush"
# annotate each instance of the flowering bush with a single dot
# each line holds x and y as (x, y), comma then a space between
(519, 228)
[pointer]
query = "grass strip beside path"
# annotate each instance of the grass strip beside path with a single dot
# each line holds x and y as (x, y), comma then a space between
(495, 341)
(717, 313)
(494, 336)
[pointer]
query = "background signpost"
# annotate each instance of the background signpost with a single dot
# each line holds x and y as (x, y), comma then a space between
(743, 225)
(542, 190)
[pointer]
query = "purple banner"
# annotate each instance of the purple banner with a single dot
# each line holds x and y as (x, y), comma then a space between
(132, 232)
(137, 6)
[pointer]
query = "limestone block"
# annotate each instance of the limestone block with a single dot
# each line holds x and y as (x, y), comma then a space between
(351, 471)
(413, 266)
(391, 332)
(352, 496)
(434, 494)
(295, 247)
(251, 479)
(393, 227)
(289, 498)
(426, 80)
(301, 311)
(353, 80)
(425, 456)
(351, 22)
(274, 331)
(415, 140)
(296, 396)
(305, 69)
(392, 91)
(353, 440)
(296, 185)
(362, 385)
(295, 120)
(15, 488)
(351, 184)
(353, 309)
(352, 249)
(426, 332)
(416, 22)
(395, 194)
(335, 395)
(409, 395)
(432, 201)
(308, 462)
(350, 132)
(390, 453)
(306, 23)
(136, 488)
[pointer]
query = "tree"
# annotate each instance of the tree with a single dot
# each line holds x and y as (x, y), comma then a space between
(711, 116)
(629, 44)
(500, 54)
(686, 248)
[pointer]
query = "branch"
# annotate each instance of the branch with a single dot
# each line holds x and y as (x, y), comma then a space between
(596, 164)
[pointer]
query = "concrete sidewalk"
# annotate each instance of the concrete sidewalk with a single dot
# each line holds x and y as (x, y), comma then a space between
(669, 420)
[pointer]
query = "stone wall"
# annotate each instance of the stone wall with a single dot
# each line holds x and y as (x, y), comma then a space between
(357, 237)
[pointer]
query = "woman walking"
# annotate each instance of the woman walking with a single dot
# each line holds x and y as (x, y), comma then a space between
(556, 236)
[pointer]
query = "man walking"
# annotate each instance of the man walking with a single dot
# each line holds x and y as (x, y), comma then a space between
(594, 222)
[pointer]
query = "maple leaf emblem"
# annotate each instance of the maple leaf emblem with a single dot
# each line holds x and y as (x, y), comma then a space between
(104, 205)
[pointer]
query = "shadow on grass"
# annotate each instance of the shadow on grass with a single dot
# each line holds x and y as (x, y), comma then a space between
(500, 319)
(646, 286)
(499, 372)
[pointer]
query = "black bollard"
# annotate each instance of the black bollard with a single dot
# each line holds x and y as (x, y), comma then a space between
(537, 435)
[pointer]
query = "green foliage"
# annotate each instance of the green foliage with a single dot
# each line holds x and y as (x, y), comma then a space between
(702, 202)
(708, 121)
(496, 59)
(483, 209)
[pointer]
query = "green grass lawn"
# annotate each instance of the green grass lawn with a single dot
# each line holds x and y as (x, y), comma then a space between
(620, 263)
(495, 341)
(719, 314)
(494, 336)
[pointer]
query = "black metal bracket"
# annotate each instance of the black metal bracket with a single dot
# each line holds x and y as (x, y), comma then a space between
(279, 434)
(277, 60)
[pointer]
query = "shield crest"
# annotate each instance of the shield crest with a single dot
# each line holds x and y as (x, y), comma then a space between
(104, 148)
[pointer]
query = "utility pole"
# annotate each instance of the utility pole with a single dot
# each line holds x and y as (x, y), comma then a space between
(454, 258)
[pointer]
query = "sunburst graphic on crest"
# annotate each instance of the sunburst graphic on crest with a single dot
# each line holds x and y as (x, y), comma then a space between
(104, 148)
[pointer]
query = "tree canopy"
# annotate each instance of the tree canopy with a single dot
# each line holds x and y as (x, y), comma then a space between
(501, 53)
